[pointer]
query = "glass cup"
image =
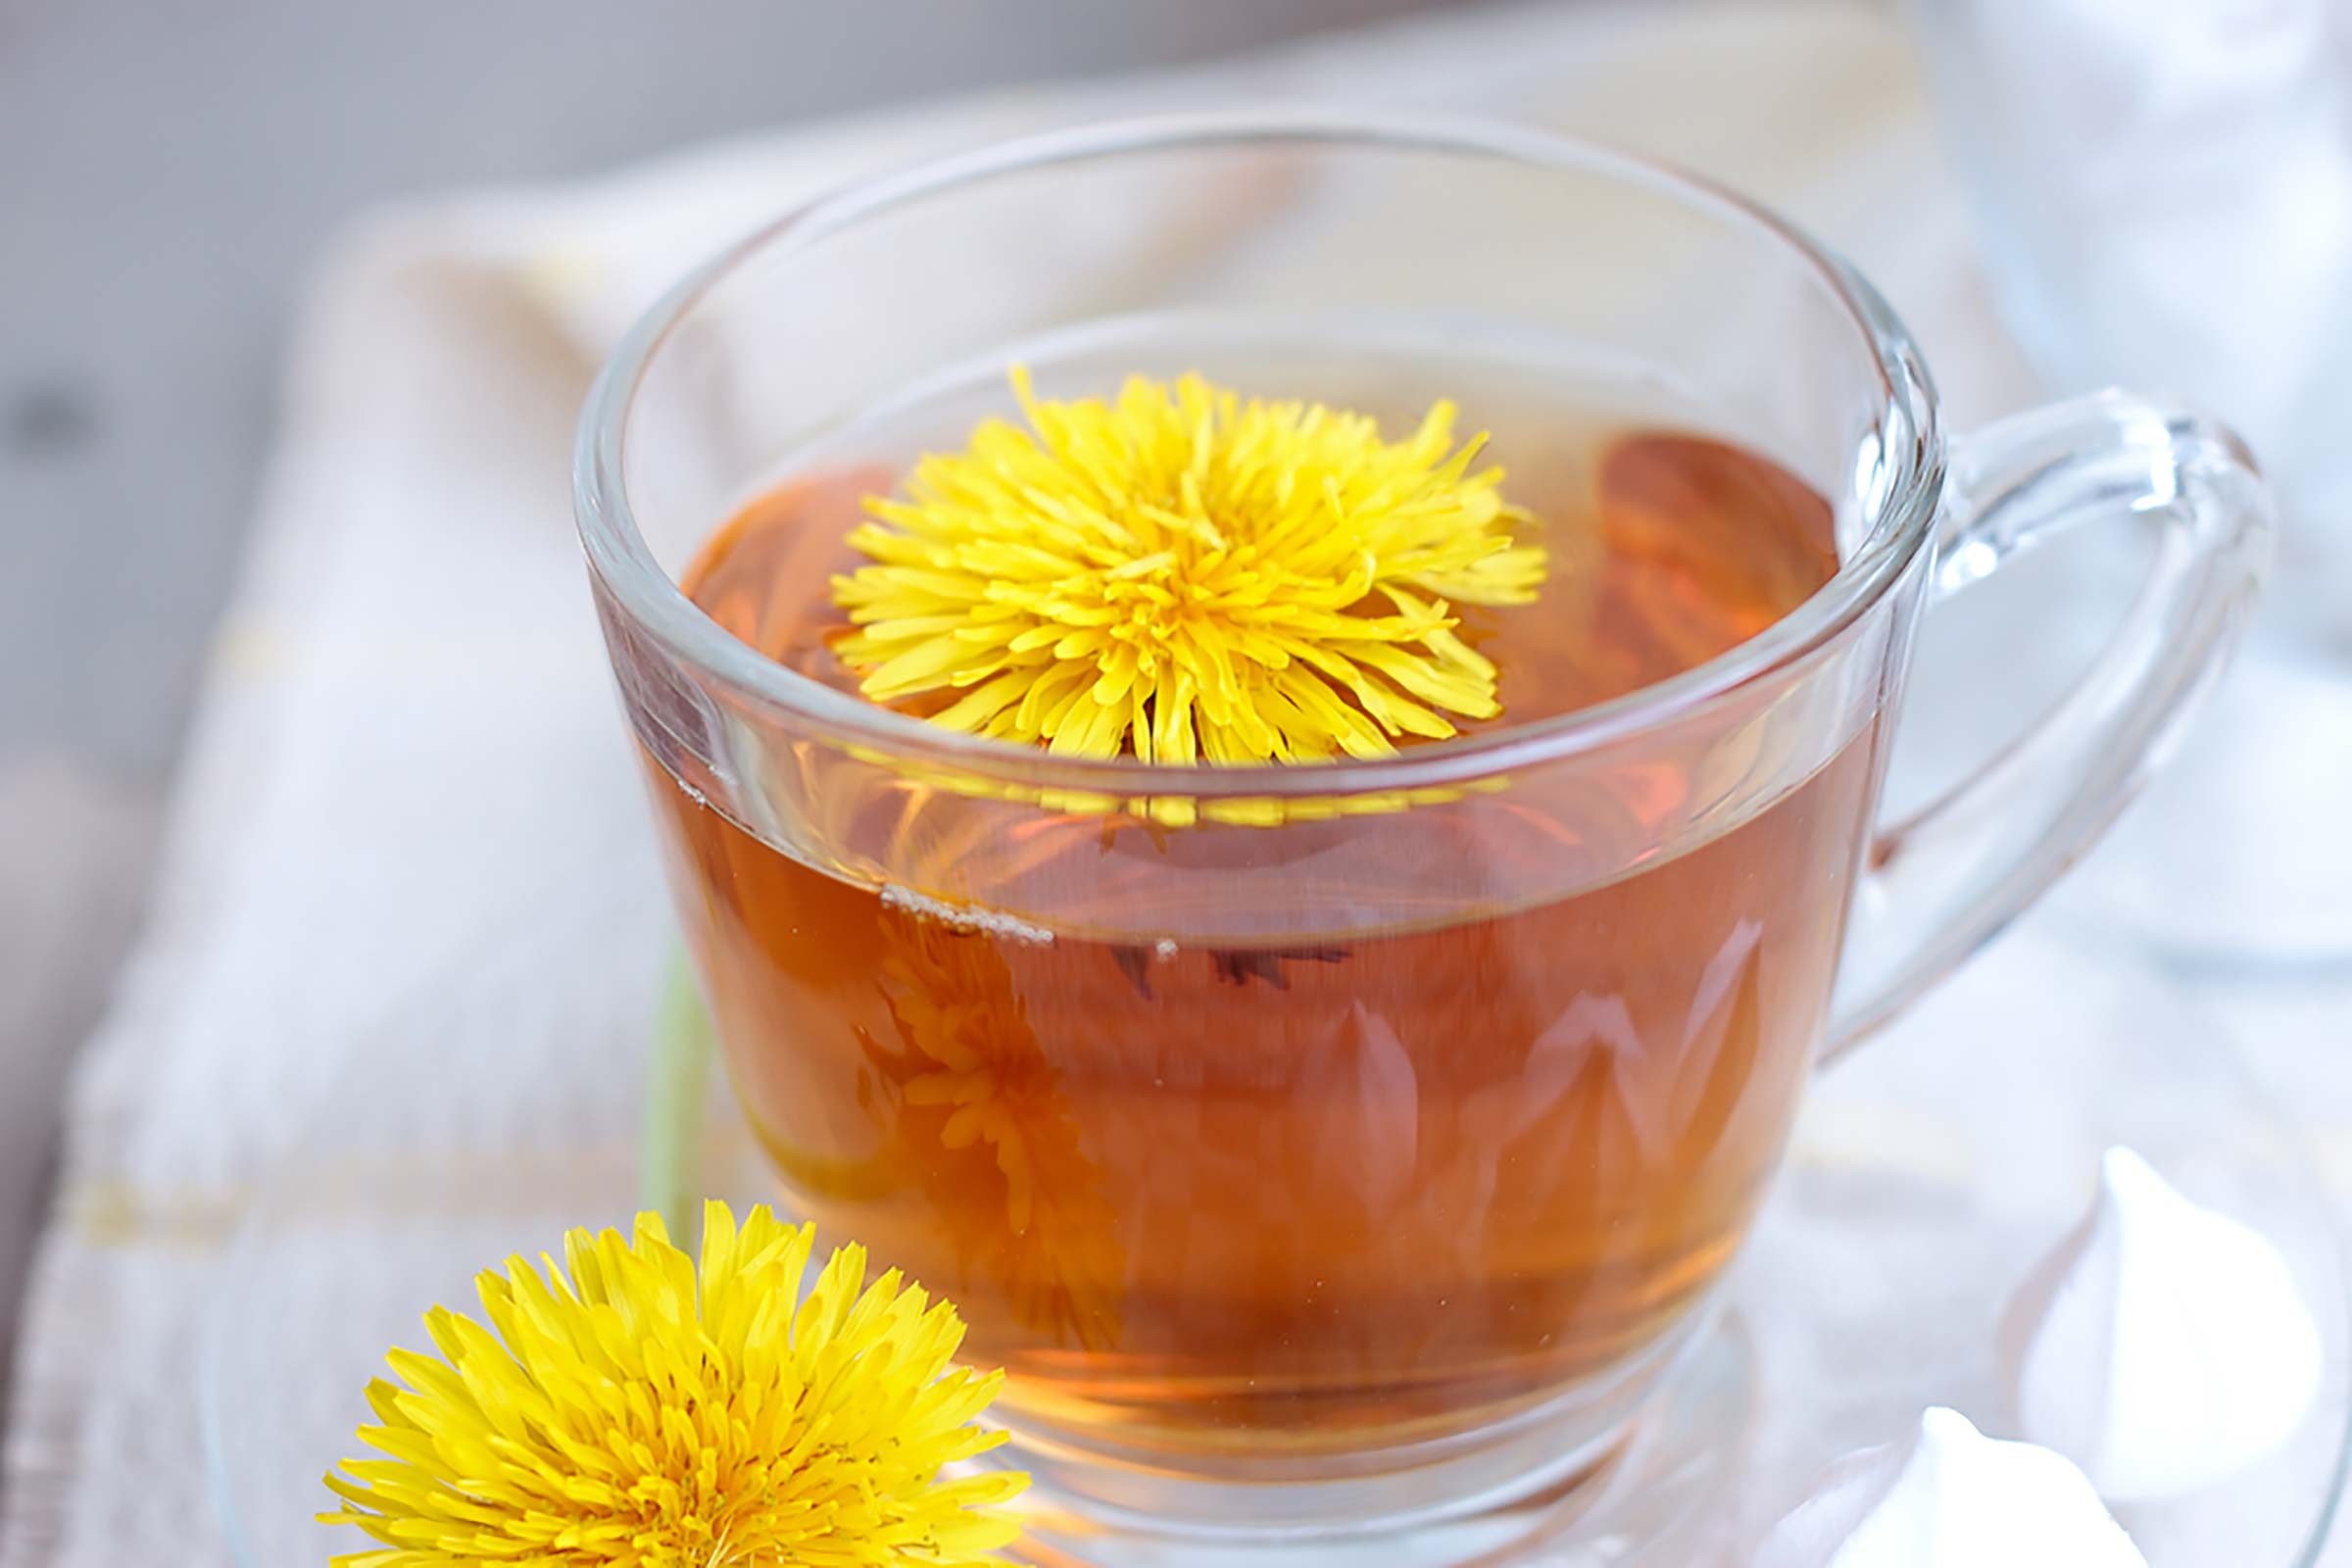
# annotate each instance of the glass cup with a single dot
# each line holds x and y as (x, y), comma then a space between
(1338, 1148)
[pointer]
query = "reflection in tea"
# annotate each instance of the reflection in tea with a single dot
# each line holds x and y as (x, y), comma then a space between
(1236, 1169)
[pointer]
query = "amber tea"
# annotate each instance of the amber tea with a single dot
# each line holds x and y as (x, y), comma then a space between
(1225, 1165)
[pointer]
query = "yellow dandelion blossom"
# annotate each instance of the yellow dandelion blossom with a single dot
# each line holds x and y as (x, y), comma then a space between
(1181, 575)
(622, 1412)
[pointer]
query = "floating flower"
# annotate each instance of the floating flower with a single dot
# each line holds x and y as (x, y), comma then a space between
(1181, 575)
(623, 1411)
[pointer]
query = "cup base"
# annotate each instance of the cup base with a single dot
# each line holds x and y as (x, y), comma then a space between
(1628, 1475)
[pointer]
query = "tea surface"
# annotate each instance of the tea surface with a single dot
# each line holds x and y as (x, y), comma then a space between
(1237, 1179)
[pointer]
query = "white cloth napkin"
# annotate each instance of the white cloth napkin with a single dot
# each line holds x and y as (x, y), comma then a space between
(409, 829)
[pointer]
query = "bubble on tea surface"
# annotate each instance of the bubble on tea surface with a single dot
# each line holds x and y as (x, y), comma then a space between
(960, 917)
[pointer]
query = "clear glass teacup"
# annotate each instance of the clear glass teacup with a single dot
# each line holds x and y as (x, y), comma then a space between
(1331, 1148)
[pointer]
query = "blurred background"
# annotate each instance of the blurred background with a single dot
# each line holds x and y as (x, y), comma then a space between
(212, 216)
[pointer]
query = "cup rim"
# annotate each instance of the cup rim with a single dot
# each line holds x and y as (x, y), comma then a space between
(624, 564)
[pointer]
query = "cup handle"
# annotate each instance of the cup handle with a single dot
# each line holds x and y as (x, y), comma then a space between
(1943, 881)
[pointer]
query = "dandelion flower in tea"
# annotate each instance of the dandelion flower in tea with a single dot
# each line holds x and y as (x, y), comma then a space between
(1181, 575)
